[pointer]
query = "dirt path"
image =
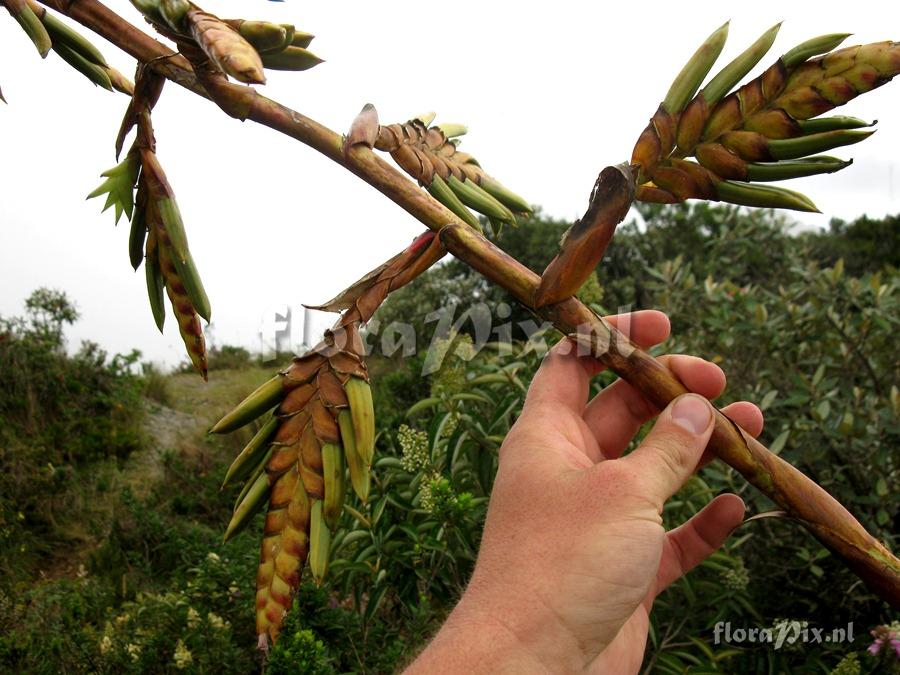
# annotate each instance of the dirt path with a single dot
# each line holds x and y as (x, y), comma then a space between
(168, 430)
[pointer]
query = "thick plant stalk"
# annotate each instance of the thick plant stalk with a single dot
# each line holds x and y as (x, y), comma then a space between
(788, 487)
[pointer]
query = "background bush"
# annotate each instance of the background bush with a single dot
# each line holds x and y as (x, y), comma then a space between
(110, 538)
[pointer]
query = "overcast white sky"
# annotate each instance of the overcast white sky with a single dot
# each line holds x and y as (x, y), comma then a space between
(552, 92)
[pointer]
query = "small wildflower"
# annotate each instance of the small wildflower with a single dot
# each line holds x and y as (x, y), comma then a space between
(414, 446)
(737, 578)
(134, 651)
(436, 496)
(213, 558)
(887, 639)
(182, 656)
(193, 617)
(849, 665)
(234, 589)
(216, 621)
(429, 492)
(450, 425)
(105, 644)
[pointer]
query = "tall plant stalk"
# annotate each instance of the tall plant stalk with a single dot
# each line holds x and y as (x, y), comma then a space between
(795, 493)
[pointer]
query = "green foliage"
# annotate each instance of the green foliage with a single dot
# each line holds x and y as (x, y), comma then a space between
(811, 344)
(52, 627)
(299, 652)
(799, 324)
(865, 245)
(65, 420)
(323, 634)
(156, 386)
(225, 357)
(229, 357)
(197, 625)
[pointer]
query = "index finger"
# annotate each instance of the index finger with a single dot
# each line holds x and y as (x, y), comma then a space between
(564, 377)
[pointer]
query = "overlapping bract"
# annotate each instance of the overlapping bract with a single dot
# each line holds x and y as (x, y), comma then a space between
(764, 130)
(430, 155)
(323, 422)
(236, 47)
(319, 428)
(157, 234)
(47, 32)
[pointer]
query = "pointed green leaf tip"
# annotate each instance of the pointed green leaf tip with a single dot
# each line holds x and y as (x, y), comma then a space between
(425, 118)
(60, 32)
(802, 146)
(265, 396)
(155, 291)
(33, 28)
(442, 192)
(819, 45)
(93, 72)
(513, 201)
(691, 76)
(260, 467)
(785, 170)
(252, 502)
(766, 196)
(245, 462)
(477, 199)
(119, 187)
(452, 130)
(735, 71)
(835, 123)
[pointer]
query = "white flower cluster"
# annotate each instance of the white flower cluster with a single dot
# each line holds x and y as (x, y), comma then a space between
(182, 657)
(217, 622)
(737, 578)
(849, 665)
(451, 425)
(134, 651)
(105, 644)
(193, 618)
(414, 446)
(435, 493)
(426, 494)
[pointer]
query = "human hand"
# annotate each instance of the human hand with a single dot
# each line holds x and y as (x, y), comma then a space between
(574, 551)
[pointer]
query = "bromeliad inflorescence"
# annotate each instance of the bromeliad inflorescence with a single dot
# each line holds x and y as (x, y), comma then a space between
(321, 426)
(764, 131)
(721, 146)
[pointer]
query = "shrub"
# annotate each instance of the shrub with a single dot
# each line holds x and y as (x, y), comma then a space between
(155, 385)
(66, 420)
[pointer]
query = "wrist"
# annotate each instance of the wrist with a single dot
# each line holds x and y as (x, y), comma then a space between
(480, 637)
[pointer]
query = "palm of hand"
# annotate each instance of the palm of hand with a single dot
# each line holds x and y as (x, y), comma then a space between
(583, 555)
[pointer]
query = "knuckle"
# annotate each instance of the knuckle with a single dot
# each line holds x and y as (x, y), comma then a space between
(674, 453)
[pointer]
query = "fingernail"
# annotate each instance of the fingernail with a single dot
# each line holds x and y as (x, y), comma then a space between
(692, 413)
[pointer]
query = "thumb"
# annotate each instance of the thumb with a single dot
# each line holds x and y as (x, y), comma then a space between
(671, 451)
